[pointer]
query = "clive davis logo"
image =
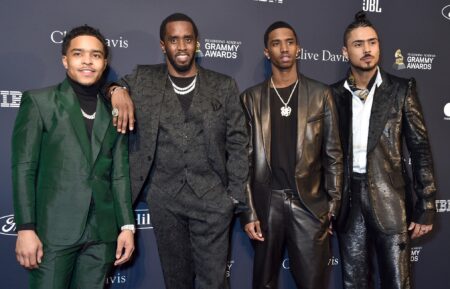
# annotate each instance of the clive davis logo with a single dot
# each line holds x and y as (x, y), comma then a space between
(416, 61)
(117, 278)
(10, 98)
(57, 37)
(333, 261)
(8, 225)
(143, 220)
(216, 48)
(325, 55)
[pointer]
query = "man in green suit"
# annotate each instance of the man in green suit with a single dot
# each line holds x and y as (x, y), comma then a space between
(71, 181)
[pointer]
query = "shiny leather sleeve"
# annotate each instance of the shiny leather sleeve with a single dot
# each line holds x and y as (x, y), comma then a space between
(332, 155)
(250, 214)
(26, 145)
(416, 138)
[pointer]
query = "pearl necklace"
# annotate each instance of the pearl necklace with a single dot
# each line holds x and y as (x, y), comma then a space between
(285, 110)
(183, 90)
(88, 116)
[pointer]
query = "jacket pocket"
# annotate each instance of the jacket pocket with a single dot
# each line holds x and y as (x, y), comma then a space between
(397, 180)
(316, 117)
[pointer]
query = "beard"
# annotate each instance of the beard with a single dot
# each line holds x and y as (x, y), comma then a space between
(180, 68)
(366, 66)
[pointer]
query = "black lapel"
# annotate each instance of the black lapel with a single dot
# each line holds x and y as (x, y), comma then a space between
(382, 103)
(343, 99)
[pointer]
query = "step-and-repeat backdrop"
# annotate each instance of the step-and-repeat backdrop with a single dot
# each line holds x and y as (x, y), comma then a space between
(231, 34)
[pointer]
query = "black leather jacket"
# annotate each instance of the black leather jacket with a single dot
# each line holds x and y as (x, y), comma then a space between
(319, 167)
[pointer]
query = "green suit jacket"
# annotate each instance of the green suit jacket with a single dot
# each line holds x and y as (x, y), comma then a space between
(57, 172)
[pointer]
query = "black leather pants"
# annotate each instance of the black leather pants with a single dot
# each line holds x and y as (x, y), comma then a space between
(306, 239)
(363, 241)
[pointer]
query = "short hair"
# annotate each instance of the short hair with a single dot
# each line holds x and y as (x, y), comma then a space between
(277, 25)
(176, 17)
(82, 31)
(359, 21)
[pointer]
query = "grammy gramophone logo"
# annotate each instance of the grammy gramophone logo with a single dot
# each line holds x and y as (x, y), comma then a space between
(399, 63)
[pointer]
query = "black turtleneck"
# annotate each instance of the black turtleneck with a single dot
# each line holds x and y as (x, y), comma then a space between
(87, 97)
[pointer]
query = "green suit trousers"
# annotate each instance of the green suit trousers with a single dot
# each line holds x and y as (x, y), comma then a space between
(83, 265)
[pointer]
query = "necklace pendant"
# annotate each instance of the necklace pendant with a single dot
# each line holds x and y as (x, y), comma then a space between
(286, 111)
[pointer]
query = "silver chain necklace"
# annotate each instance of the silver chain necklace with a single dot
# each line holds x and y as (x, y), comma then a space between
(88, 116)
(285, 110)
(183, 90)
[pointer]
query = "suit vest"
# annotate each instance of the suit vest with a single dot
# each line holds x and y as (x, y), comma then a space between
(181, 152)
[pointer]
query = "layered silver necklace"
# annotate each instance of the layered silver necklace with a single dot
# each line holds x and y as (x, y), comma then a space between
(286, 109)
(183, 90)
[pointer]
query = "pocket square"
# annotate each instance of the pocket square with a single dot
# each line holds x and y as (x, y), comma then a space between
(216, 105)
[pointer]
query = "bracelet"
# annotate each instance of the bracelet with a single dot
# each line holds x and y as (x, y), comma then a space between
(116, 87)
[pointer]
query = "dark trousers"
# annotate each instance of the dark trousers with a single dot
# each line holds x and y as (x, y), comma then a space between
(363, 238)
(192, 234)
(83, 265)
(306, 239)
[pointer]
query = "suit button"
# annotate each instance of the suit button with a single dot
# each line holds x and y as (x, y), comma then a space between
(149, 158)
(141, 178)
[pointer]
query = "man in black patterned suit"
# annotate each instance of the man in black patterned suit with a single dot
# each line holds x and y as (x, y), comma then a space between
(188, 153)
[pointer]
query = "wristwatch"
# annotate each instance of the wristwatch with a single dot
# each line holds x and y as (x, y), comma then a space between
(130, 227)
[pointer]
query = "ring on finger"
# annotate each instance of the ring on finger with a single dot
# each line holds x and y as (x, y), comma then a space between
(115, 112)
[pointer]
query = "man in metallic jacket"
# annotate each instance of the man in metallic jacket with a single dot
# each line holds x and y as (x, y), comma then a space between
(378, 114)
